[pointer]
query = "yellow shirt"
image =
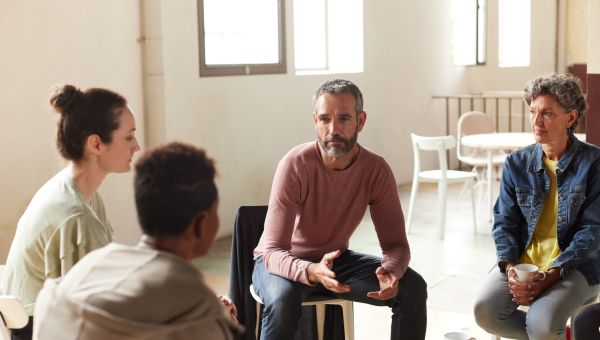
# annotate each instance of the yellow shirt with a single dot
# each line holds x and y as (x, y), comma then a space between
(543, 248)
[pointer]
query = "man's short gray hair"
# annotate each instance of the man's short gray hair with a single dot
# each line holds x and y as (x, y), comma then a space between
(340, 86)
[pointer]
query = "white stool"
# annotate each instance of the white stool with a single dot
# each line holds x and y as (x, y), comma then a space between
(319, 302)
(12, 315)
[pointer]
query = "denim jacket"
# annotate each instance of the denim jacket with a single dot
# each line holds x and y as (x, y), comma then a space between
(523, 191)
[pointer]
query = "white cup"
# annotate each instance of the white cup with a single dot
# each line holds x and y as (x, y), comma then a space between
(458, 336)
(526, 272)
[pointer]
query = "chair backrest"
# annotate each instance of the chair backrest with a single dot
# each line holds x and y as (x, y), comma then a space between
(471, 123)
(13, 313)
(474, 122)
(247, 229)
(438, 143)
(4, 332)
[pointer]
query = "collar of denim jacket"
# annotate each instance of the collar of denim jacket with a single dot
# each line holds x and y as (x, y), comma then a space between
(564, 161)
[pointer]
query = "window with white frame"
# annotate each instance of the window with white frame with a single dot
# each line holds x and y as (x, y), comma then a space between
(514, 21)
(468, 30)
(328, 36)
(241, 37)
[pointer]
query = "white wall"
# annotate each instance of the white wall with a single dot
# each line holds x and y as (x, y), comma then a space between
(490, 77)
(248, 122)
(593, 42)
(245, 123)
(577, 28)
(86, 42)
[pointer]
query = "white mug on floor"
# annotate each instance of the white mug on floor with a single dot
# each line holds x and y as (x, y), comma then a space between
(526, 272)
(458, 336)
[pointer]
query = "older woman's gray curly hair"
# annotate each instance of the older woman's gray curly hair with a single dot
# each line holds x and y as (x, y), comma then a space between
(566, 90)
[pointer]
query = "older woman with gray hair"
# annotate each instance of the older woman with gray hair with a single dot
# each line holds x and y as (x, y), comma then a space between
(548, 217)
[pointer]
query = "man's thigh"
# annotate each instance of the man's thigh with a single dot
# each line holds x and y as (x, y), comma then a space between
(276, 289)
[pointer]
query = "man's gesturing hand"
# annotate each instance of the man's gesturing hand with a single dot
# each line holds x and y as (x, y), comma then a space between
(321, 273)
(388, 284)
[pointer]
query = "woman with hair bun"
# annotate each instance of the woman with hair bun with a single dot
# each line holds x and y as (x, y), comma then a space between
(66, 218)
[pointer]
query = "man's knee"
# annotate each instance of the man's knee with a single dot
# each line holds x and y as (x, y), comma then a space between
(282, 310)
(412, 290)
(414, 286)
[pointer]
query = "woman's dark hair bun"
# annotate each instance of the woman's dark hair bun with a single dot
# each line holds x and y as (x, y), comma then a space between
(64, 98)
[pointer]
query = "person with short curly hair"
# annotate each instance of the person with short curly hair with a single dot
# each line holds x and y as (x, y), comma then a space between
(151, 290)
(547, 215)
(566, 90)
(66, 218)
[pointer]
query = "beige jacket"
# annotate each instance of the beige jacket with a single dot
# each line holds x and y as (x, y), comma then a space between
(121, 292)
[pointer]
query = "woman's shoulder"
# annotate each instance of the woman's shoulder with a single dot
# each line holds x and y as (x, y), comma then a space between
(589, 149)
(59, 190)
(53, 202)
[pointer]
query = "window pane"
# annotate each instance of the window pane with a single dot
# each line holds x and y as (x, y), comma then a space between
(345, 28)
(464, 32)
(514, 33)
(328, 36)
(241, 32)
(310, 34)
(481, 31)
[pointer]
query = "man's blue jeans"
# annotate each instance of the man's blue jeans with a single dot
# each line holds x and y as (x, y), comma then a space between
(283, 298)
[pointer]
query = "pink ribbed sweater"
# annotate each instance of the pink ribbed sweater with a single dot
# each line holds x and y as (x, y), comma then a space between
(314, 210)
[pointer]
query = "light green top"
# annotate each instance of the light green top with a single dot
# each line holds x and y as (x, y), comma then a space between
(57, 229)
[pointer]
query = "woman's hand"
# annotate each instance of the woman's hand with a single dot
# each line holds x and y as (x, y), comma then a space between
(525, 292)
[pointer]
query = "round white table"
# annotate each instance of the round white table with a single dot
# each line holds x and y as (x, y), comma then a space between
(506, 141)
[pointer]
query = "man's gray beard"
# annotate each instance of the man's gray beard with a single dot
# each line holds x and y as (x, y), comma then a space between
(335, 152)
(339, 152)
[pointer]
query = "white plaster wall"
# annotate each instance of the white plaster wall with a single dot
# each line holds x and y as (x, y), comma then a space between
(577, 29)
(490, 77)
(593, 45)
(42, 43)
(248, 123)
(245, 123)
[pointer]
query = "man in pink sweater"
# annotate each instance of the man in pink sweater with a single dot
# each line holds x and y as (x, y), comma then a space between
(320, 192)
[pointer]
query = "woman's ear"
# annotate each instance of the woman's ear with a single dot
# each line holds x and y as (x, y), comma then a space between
(93, 144)
(573, 117)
